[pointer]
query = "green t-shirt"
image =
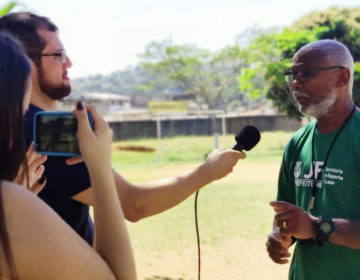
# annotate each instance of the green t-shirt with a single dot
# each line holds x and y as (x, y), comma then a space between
(338, 196)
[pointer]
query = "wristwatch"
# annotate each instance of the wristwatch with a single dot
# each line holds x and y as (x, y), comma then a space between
(323, 228)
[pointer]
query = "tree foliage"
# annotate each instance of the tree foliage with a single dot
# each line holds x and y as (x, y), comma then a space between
(272, 52)
(343, 25)
(253, 67)
(212, 77)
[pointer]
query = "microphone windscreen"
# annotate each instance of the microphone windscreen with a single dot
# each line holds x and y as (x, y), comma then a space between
(248, 137)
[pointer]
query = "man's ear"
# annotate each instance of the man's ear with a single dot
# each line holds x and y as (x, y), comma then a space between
(34, 72)
(34, 69)
(343, 77)
(34, 77)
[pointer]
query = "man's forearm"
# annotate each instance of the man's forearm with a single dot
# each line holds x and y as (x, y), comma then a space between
(140, 201)
(144, 200)
(347, 233)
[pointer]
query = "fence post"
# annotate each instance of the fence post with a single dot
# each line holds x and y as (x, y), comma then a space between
(223, 121)
(158, 134)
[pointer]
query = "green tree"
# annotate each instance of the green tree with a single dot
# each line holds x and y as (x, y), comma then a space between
(271, 53)
(211, 77)
(132, 80)
(343, 25)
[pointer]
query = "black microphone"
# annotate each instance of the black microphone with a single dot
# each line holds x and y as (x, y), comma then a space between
(247, 138)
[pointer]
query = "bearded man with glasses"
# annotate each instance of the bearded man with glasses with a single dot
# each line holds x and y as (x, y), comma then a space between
(317, 203)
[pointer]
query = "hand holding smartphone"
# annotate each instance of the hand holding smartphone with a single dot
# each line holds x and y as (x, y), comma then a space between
(95, 143)
(55, 133)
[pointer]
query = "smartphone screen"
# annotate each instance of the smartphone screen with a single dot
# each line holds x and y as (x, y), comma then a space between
(55, 133)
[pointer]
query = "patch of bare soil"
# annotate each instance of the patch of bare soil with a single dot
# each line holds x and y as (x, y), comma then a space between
(135, 148)
(238, 258)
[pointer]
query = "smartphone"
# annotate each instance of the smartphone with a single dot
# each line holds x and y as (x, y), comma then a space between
(55, 133)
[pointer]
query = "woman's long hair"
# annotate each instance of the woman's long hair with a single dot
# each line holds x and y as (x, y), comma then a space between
(14, 74)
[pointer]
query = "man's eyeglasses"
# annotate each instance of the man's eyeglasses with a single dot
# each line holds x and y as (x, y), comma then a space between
(305, 74)
(61, 55)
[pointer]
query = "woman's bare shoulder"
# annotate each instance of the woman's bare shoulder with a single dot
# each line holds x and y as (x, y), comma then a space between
(43, 245)
(11, 190)
(22, 202)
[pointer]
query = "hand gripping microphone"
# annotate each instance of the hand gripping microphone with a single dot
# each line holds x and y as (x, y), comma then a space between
(247, 138)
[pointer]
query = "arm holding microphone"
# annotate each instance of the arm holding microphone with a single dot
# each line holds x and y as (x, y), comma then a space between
(144, 200)
(155, 197)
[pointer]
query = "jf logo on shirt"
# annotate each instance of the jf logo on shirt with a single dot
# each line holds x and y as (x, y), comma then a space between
(305, 178)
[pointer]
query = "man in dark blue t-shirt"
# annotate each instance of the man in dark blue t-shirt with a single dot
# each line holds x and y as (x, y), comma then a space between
(63, 182)
(68, 189)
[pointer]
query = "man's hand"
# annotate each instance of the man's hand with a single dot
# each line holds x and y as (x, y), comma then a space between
(221, 162)
(278, 247)
(36, 169)
(293, 220)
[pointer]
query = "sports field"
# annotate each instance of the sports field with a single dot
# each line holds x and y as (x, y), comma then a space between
(234, 213)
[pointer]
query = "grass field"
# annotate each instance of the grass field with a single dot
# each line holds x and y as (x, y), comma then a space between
(234, 213)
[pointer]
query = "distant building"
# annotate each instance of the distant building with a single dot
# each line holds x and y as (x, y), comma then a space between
(140, 100)
(106, 103)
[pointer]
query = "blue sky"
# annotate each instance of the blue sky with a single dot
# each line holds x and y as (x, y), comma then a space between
(107, 35)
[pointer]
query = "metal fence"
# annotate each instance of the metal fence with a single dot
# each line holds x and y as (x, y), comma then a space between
(208, 125)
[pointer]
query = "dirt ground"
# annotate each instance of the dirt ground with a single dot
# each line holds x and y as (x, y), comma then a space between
(237, 259)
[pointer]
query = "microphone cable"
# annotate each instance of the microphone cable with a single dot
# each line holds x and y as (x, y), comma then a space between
(197, 235)
(246, 139)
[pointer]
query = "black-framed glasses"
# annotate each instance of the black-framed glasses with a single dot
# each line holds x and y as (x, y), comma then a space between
(303, 75)
(61, 55)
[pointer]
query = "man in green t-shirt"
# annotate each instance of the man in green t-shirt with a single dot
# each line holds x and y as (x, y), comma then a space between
(318, 201)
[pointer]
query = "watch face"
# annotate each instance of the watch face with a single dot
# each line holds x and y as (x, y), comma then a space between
(325, 227)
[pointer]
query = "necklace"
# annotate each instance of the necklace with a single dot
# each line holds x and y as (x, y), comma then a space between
(314, 188)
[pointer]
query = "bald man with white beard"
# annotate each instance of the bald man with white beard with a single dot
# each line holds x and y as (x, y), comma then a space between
(317, 204)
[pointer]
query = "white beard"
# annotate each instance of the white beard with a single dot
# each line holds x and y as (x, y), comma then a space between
(320, 109)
